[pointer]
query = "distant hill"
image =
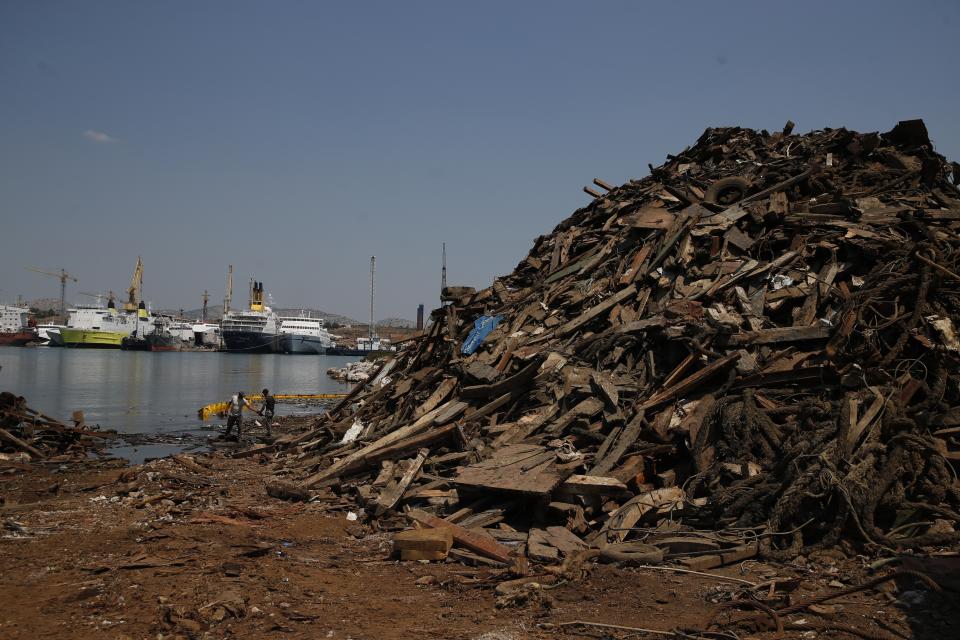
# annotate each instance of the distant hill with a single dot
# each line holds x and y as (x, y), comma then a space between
(397, 323)
(45, 304)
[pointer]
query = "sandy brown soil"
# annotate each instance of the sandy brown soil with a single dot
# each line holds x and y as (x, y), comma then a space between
(211, 556)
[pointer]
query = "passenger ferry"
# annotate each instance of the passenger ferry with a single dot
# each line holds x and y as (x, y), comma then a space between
(304, 334)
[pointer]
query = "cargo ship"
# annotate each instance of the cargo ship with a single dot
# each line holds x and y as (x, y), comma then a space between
(98, 328)
(304, 334)
(256, 330)
(16, 328)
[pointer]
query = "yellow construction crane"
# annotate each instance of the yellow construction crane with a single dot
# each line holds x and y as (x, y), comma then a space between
(134, 291)
(63, 276)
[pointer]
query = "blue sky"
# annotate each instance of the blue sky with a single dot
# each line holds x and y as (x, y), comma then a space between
(296, 139)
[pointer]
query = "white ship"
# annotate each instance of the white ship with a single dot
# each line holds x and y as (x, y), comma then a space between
(303, 334)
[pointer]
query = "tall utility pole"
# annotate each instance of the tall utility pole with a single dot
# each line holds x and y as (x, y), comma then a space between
(228, 298)
(443, 273)
(373, 270)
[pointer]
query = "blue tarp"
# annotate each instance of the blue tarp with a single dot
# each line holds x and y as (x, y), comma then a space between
(482, 327)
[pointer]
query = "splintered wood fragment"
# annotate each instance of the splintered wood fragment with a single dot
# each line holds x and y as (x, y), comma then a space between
(690, 382)
(868, 417)
(592, 485)
(603, 185)
(776, 336)
(478, 543)
(618, 445)
(606, 389)
(592, 192)
(680, 369)
(392, 493)
(779, 203)
(630, 275)
(596, 310)
(586, 408)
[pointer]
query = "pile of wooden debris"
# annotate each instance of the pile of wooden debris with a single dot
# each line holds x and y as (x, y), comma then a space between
(27, 434)
(758, 339)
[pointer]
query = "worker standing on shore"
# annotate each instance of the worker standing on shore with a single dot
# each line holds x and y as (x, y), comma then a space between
(269, 403)
(235, 413)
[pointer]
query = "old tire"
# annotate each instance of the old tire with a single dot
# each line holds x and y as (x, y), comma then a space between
(631, 553)
(727, 191)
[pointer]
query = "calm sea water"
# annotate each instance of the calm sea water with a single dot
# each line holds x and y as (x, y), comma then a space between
(143, 392)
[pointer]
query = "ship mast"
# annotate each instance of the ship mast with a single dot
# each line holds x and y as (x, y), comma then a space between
(227, 299)
(373, 269)
(443, 273)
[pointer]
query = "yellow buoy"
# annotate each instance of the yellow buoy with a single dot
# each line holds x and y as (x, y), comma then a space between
(220, 408)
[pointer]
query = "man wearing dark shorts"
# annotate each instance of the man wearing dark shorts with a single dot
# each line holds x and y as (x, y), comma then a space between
(269, 402)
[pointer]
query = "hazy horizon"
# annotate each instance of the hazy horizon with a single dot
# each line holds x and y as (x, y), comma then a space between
(295, 139)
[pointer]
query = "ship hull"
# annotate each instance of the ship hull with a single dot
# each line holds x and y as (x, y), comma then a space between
(161, 342)
(250, 342)
(297, 343)
(17, 338)
(131, 343)
(91, 339)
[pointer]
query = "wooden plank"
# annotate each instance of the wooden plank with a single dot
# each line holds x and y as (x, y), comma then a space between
(630, 275)
(872, 412)
(392, 493)
(777, 336)
(8, 437)
(478, 543)
(623, 441)
(439, 395)
(596, 310)
(514, 382)
(690, 382)
(423, 544)
(450, 411)
(728, 556)
(592, 485)
(603, 386)
(358, 459)
(652, 218)
(521, 468)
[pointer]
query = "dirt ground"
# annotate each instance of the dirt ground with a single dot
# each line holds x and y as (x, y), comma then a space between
(167, 550)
